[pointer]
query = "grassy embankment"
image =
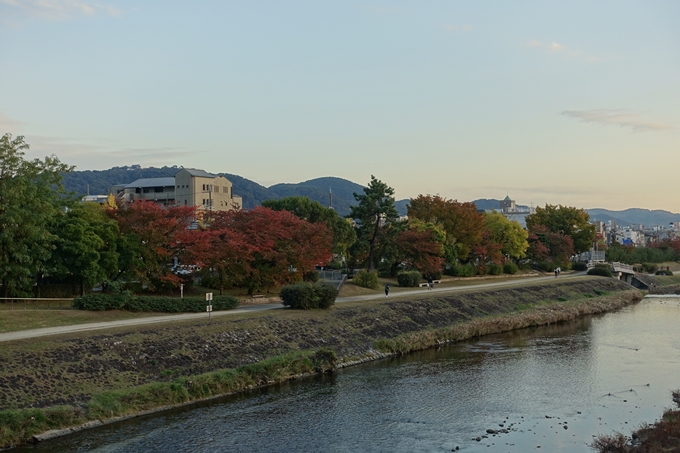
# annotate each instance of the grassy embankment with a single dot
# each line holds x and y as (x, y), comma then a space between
(55, 382)
(660, 437)
(20, 316)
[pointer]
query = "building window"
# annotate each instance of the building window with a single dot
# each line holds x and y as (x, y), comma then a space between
(225, 189)
(185, 202)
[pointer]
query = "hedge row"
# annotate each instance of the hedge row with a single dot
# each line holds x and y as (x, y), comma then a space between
(663, 272)
(305, 296)
(151, 303)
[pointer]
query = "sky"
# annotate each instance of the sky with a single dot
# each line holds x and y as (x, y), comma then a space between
(561, 102)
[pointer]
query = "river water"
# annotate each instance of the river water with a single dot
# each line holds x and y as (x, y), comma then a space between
(552, 388)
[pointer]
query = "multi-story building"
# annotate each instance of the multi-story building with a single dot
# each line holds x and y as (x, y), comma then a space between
(205, 190)
(189, 187)
(158, 190)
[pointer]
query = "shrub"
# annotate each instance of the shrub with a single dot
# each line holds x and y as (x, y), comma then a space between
(579, 266)
(366, 279)
(603, 271)
(305, 296)
(311, 276)
(436, 275)
(101, 301)
(299, 295)
(409, 278)
(510, 268)
(663, 272)
(151, 303)
(494, 269)
(463, 270)
(326, 295)
(649, 267)
(546, 266)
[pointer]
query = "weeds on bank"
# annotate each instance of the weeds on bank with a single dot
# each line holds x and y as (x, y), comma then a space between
(661, 437)
(543, 313)
(19, 426)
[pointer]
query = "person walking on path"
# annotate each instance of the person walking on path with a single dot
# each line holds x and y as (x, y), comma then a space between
(430, 283)
(387, 289)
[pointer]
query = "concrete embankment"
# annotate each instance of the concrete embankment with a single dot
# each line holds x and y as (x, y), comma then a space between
(183, 361)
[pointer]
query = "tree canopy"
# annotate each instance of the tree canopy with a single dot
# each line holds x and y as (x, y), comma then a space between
(30, 197)
(565, 220)
(312, 211)
(508, 234)
(375, 217)
(461, 222)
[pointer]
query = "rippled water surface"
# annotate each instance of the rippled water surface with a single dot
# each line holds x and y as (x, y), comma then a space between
(592, 376)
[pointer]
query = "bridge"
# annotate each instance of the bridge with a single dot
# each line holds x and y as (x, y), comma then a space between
(623, 272)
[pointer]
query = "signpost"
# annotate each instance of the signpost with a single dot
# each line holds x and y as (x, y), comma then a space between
(208, 308)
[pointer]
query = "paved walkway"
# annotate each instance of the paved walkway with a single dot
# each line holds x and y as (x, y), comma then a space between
(33, 333)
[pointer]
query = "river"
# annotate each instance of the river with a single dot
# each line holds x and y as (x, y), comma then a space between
(552, 388)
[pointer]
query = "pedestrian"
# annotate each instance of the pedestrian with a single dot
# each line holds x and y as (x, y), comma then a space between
(555, 272)
(559, 271)
(430, 283)
(387, 289)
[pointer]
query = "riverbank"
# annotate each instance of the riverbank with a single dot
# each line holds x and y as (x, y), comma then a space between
(95, 377)
(660, 437)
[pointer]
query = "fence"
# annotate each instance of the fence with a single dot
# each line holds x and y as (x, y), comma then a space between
(330, 275)
(38, 303)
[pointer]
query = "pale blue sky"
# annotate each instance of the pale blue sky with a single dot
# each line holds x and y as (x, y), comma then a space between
(571, 102)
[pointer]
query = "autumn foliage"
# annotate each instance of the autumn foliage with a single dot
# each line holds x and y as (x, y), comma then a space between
(256, 249)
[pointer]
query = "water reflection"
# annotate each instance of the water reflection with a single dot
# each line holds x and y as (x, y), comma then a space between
(553, 387)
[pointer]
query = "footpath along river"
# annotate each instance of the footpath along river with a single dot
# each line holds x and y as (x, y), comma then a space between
(552, 388)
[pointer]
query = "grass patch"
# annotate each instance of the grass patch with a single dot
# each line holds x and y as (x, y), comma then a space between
(667, 280)
(19, 426)
(20, 319)
(535, 315)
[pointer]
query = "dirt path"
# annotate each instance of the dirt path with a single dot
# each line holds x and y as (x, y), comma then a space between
(34, 333)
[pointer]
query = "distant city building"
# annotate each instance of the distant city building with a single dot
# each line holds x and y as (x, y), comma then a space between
(189, 187)
(512, 212)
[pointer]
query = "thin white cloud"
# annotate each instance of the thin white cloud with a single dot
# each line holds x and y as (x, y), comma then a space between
(617, 117)
(560, 49)
(458, 28)
(56, 9)
(10, 125)
(104, 155)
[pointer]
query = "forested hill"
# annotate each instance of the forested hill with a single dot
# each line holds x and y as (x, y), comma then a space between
(99, 181)
(318, 189)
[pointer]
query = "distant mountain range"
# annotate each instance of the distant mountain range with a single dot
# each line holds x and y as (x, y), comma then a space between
(635, 216)
(319, 189)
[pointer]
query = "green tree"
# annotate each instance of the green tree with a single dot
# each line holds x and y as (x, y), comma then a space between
(85, 248)
(314, 212)
(376, 218)
(31, 196)
(565, 220)
(508, 234)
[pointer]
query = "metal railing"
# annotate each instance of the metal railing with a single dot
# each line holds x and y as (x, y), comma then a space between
(330, 275)
(38, 303)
